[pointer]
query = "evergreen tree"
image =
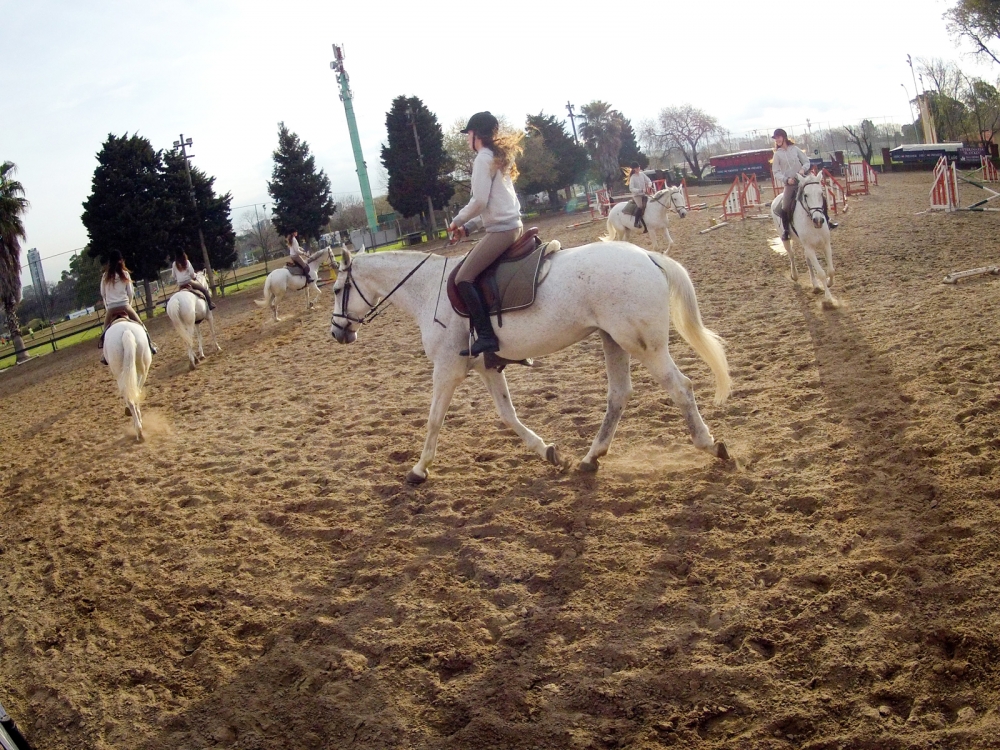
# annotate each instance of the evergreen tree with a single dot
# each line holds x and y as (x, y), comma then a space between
(213, 213)
(411, 185)
(87, 273)
(127, 210)
(629, 151)
(602, 132)
(301, 194)
(12, 205)
(569, 161)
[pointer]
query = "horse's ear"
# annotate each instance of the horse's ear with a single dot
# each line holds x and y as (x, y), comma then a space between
(345, 257)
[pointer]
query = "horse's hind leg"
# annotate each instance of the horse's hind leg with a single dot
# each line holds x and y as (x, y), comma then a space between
(446, 380)
(616, 360)
(663, 368)
(496, 384)
(211, 326)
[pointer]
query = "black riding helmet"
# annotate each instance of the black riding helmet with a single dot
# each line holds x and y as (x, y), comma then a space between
(482, 124)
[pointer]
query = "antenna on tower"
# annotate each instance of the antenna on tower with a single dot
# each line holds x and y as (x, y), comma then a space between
(347, 98)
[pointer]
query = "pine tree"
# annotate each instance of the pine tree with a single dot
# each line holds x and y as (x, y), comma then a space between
(629, 151)
(128, 210)
(213, 213)
(301, 194)
(410, 183)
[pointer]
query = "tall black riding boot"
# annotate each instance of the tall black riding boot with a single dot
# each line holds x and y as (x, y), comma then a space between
(645, 229)
(486, 339)
(638, 217)
(785, 222)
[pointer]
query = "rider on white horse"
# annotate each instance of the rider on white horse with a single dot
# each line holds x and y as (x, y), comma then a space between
(184, 273)
(638, 184)
(297, 256)
(493, 206)
(789, 165)
(117, 293)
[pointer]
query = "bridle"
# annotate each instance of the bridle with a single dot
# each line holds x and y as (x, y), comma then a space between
(374, 309)
(802, 199)
(673, 203)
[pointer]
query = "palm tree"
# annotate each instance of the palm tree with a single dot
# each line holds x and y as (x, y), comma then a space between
(12, 205)
(602, 133)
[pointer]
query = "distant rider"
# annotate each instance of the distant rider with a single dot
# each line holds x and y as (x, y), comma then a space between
(493, 206)
(184, 273)
(789, 165)
(638, 184)
(296, 254)
(117, 293)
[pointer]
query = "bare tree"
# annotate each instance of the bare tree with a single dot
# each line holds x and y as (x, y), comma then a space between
(983, 102)
(945, 101)
(684, 129)
(863, 136)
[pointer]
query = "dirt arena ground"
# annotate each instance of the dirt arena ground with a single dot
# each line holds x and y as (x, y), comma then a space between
(258, 575)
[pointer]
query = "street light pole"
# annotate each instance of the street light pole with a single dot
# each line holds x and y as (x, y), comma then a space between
(182, 144)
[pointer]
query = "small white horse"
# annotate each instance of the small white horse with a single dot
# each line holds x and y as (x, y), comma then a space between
(126, 350)
(811, 227)
(281, 280)
(624, 293)
(186, 309)
(657, 214)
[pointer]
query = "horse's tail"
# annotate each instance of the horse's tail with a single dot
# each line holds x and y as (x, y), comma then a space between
(687, 320)
(128, 379)
(267, 294)
(185, 331)
(612, 233)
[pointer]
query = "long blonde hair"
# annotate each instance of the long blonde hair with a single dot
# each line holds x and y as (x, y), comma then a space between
(507, 146)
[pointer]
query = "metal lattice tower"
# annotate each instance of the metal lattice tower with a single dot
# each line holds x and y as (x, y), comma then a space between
(352, 125)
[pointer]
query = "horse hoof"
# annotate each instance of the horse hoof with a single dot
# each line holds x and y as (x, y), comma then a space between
(553, 457)
(830, 304)
(128, 411)
(589, 466)
(413, 478)
(721, 452)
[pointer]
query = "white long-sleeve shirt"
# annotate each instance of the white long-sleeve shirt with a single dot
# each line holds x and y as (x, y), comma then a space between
(183, 276)
(638, 183)
(788, 162)
(295, 251)
(494, 204)
(116, 293)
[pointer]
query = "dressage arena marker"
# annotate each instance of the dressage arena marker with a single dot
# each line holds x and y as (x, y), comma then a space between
(954, 276)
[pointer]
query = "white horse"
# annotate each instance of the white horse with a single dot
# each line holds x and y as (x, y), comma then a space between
(624, 293)
(126, 350)
(657, 214)
(811, 227)
(281, 280)
(186, 309)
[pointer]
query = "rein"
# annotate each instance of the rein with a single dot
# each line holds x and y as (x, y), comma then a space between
(374, 310)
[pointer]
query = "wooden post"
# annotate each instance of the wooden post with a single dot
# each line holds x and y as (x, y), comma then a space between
(886, 160)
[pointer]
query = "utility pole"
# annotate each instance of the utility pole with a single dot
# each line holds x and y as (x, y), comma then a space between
(182, 145)
(260, 234)
(916, 91)
(432, 227)
(352, 126)
(572, 120)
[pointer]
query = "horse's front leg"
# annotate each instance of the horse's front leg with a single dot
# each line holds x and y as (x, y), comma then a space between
(201, 345)
(446, 379)
(616, 360)
(829, 260)
(787, 244)
(670, 240)
(496, 384)
(211, 327)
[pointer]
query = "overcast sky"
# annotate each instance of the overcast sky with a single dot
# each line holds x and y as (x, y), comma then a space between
(225, 72)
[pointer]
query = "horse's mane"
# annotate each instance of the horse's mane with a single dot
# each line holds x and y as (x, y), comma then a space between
(661, 193)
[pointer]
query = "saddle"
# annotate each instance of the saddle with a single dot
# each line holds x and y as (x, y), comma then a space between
(120, 314)
(510, 282)
(186, 287)
(294, 268)
(630, 208)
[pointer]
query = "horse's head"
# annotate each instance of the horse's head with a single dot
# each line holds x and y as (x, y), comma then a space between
(813, 199)
(677, 201)
(345, 321)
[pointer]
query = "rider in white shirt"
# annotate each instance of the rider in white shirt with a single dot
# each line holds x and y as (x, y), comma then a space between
(789, 165)
(638, 184)
(117, 293)
(184, 273)
(296, 254)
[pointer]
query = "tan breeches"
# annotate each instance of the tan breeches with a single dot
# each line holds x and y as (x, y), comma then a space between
(487, 250)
